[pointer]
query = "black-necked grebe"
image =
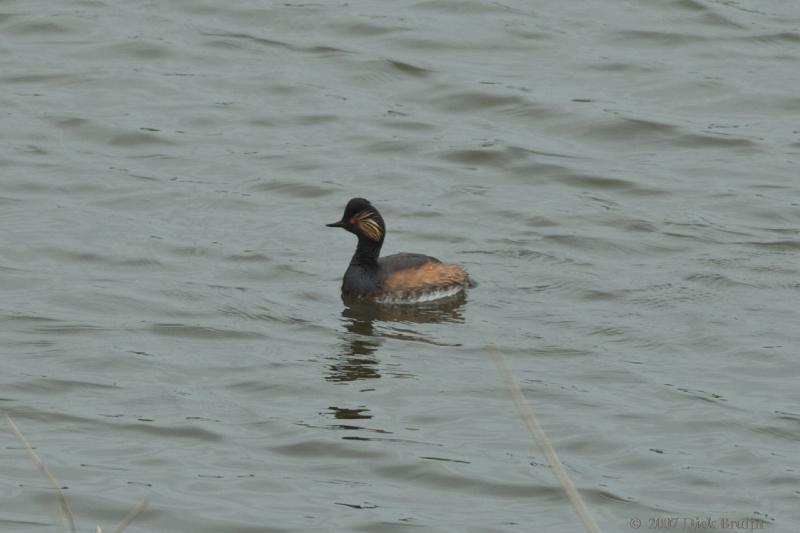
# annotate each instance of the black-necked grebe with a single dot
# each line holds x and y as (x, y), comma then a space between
(398, 278)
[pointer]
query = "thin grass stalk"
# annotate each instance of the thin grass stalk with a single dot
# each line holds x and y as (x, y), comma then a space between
(66, 513)
(528, 416)
(128, 519)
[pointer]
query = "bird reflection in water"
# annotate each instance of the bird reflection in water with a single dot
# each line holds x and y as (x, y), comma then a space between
(368, 324)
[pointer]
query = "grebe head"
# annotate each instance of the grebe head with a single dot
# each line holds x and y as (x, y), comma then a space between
(362, 219)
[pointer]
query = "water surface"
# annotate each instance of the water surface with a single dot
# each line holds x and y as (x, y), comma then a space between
(621, 178)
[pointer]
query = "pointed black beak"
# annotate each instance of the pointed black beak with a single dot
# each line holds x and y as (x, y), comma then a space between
(339, 224)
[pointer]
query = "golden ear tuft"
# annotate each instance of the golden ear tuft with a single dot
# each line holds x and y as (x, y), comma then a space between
(368, 225)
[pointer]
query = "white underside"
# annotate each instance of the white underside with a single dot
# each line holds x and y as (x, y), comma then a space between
(427, 296)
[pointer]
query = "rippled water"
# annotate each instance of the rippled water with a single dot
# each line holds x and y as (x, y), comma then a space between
(620, 177)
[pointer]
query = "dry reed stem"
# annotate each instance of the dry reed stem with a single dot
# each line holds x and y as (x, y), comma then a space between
(538, 433)
(128, 519)
(66, 513)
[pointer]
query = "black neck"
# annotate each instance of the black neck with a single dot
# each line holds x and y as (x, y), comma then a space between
(367, 252)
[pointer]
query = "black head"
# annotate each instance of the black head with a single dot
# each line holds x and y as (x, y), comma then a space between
(362, 219)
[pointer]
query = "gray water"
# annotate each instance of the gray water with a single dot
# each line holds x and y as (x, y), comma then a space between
(620, 177)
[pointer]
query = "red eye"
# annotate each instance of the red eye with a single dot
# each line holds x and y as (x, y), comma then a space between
(351, 221)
